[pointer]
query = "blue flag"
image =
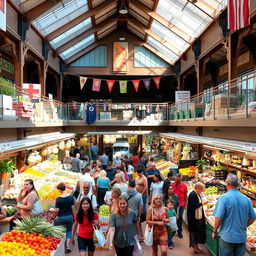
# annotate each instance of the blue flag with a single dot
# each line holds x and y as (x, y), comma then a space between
(90, 113)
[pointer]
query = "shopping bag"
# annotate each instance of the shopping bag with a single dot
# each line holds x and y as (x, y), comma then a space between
(100, 237)
(148, 235)
(173, 223)
(137, 251)
(37, 209)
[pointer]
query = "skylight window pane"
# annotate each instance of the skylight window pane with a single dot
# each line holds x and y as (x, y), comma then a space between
(168, 35)
(157, 45)
(77, 47)
(59, 16)
(71, 33)
(184, 15)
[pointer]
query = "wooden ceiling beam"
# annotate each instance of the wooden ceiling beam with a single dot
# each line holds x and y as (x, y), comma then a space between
(151, 19)
(85, 34)
(80, 19)
(179, 32)
(93, 18)
(40, 9)
(82, 52)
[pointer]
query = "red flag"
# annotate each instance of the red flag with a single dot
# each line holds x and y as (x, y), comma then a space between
(157, 81)
(136, 84)
(110, 85)
(238, 14)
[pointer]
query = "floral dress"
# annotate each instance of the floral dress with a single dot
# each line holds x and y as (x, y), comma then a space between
(160, 234)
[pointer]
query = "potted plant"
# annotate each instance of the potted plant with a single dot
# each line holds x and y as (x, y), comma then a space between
(6, 166)
(6, 92)
(201, 164)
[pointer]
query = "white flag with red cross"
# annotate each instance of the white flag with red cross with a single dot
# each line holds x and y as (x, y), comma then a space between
(33, 90)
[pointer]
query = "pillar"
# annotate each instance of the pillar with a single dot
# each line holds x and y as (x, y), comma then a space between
(59, 82)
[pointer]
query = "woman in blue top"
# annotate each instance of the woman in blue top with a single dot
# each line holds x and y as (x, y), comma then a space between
(103, 184)
(65, 207)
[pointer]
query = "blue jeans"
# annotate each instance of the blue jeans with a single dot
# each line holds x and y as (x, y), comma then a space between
(170, 236)
(130, 176)
(230, 249)
(66, 221)
(180, 220)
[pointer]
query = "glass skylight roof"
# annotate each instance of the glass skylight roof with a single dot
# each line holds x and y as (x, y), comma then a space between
(77, 47)
(157, 45)
(71, 33)
(168, 35)
(59, 16)
(184, 15)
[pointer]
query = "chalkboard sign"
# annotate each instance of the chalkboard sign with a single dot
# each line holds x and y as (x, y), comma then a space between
(186, 163)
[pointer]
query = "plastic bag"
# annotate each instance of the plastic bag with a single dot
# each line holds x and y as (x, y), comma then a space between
(137, 247)
(148, 235)
(100, 237)
(37, 209)
(173, 223)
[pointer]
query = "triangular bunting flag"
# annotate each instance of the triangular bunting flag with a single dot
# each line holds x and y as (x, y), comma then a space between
(110, 84)
(96, 84)
(82, 81)
(123, 86)
(147, 84)
(157, 81)
(136, 84)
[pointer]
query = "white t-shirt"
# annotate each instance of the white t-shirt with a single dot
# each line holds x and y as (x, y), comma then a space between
(86, 178)
(122, 187)
(130, 169)
(89, 195)
(157, 188)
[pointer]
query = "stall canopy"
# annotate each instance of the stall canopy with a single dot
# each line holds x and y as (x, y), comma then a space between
(74, 27)
(121, 133)
(239, 146)
(27, 144)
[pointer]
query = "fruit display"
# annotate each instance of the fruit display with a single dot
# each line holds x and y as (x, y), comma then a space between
(249, 185)
(104, 211)
(211, 190)
(34, 241)
(251, 237)
(14, 248)
(11, 193)
(44, 190)
(164, 166)
(54, 242)
(40, 226)
(49, 215)
(189, 171)
(34, 172)
(10, 210)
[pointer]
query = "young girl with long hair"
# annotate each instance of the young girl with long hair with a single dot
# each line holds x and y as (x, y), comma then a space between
(87, 219)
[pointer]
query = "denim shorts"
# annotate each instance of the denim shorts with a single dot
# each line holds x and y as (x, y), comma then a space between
(83, 243)
(66, 221)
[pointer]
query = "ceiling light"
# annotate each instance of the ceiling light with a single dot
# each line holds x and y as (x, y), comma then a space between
(123, 9)
(122, 37)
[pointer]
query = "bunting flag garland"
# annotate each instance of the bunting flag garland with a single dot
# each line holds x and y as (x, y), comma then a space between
(123, 86)
(147, 84)
(136, 84)
(157, 81)
(96, 84)
(82, 81)
(110, 85)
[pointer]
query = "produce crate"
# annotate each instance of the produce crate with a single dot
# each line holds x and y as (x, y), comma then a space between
(61, 248)
(212, 245)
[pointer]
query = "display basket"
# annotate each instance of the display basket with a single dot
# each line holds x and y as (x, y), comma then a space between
(248, 192)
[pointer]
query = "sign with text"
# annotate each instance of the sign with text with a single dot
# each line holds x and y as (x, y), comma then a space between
(105, 115)
(181, 96)
(3, 15)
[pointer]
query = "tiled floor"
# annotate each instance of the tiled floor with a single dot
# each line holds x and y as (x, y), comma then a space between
(181, 248)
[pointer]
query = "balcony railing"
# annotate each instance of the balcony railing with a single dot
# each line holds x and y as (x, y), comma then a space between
(234, 99)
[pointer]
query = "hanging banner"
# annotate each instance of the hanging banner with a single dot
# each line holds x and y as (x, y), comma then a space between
(96, 84)
(123, 86)
(147, 84)
(82, 81)
(90, 113)
(34, 90)
(110, 85)
(157, 81)
(136, 84)
(120, 56)
(3, 15)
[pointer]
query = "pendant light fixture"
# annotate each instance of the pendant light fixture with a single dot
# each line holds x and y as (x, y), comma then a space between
(123, 8)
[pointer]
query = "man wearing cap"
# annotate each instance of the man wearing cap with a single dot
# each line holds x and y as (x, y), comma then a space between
(233, 214)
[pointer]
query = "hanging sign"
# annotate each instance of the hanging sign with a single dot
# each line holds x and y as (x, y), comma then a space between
(96, 84)
(147, 84)
(181, 96)
(82, 81)
(120, 56)
(110, 85)
(32, 89)
(157, 81)
(136, 84)
(123, 86)
(3, 15)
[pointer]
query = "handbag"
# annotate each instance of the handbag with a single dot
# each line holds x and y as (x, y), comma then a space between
(100, 237)
(199, 210)
(37, 208)
(148, 235)
(137, 251)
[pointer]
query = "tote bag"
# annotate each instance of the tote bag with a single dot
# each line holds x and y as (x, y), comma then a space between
(199, 210)
(100, 237)
(37, 208)
(148, 235)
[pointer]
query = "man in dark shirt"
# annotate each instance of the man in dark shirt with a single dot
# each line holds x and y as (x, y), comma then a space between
(76, 163)
(111, 172)
(150, 174)
(167, 181)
